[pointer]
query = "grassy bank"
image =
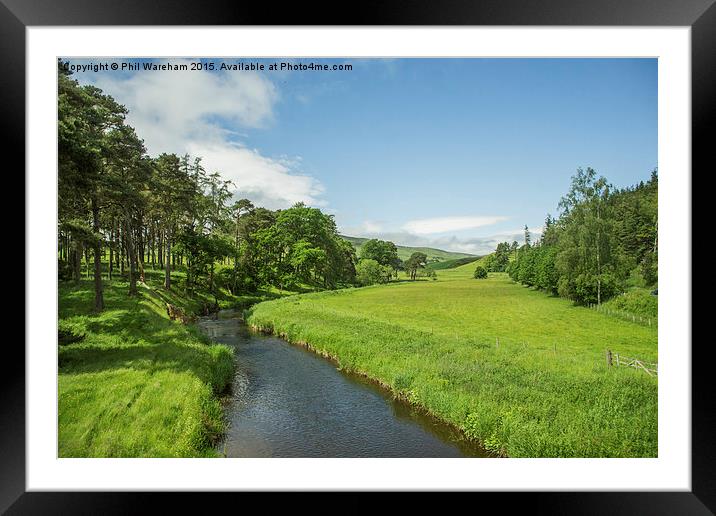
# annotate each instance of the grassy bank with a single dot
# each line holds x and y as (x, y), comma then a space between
(131, 382)
(521, 371)
(636, 301)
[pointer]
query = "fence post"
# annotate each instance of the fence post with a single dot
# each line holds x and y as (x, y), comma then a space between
(609, 358)
(617, 356)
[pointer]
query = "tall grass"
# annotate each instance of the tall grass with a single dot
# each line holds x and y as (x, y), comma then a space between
(521, 371)
(131, 382)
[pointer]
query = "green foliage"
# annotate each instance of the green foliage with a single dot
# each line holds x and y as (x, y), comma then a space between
(480, 272)
(383, 252)
(500, 259)
(413, 264)
(636, 301)
(649, 268)
(370, 272)
(302, 246)
(427, 273)
(602, 238)
(544, 391)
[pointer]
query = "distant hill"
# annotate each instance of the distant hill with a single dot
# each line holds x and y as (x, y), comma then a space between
(451, 264)
(404, 252)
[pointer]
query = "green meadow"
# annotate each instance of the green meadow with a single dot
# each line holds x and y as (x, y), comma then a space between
(133, 383)
(520, 371)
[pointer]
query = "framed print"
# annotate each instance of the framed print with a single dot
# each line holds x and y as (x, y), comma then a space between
(416, 253)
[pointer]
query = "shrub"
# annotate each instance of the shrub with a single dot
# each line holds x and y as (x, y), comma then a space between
(427, 273)
(586, 287)
(370, 272)
(637, 301)
(480, 272)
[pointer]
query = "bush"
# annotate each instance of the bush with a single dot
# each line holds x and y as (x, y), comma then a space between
(636, 301)
(480, 272)
(370, 272)
(586, 287)
(427, 273)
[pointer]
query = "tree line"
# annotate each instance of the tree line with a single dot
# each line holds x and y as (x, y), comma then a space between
(602, 240)
(379, 263)
(121, 211)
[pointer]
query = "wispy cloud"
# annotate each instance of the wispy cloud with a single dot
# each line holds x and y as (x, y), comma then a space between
(449, 224)
(207, 114)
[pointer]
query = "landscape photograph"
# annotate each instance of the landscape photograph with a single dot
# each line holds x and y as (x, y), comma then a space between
(357, 257)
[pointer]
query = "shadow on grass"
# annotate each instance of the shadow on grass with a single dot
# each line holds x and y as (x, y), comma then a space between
(129, 334)
(210, 365)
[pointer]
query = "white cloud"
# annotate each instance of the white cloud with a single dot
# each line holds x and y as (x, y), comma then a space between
(201, 113)
(267, 182)
(448, 224)
(370, 226)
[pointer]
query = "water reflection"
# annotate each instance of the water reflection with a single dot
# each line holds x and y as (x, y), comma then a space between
(288, 402)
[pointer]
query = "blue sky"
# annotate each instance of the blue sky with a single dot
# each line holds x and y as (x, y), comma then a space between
(454, 153)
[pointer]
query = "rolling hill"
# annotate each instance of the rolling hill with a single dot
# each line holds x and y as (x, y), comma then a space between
(404, 252)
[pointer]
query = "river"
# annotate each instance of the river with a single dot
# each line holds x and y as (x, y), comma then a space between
(286, 401)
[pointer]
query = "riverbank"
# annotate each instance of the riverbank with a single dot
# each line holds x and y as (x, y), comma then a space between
(520, 371)
(290, 402)
(132, 382)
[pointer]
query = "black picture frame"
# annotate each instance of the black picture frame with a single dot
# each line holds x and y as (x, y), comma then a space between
(700, 15)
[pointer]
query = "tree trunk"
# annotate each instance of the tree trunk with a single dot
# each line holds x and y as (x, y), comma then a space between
(120, 251)
(111, 252)
(78, 261)
(153, 248)
(132, 252)
(87, 267)
(98, 295)
(167, 264)
(140, 249)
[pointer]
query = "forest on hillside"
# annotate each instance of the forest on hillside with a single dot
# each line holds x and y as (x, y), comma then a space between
(604, 240)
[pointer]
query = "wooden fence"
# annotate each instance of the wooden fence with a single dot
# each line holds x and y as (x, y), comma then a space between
(627, 316)
(614, 359)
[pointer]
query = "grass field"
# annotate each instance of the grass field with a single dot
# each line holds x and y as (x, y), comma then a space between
(523, 372)
(131, 382)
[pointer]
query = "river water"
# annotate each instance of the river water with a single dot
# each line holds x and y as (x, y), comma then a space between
(286, 401)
